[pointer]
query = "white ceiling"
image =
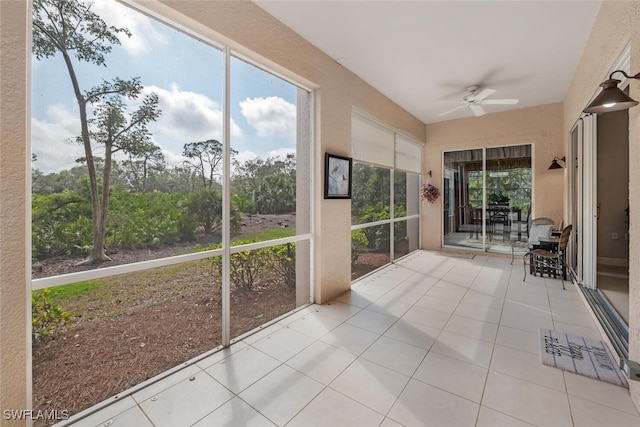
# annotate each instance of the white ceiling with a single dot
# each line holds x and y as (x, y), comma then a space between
(418, 53)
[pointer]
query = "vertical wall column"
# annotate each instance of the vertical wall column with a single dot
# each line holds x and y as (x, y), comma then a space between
(15, 365)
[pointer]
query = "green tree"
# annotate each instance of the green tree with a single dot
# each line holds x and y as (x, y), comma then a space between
(269, 183)
(204, 158)
(70, 28)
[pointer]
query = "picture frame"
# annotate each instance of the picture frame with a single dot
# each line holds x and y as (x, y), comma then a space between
(337, 176)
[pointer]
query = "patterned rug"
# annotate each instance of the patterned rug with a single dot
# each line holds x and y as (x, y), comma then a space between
(580, 355)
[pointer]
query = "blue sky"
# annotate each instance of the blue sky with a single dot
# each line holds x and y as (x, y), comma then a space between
(186, 74)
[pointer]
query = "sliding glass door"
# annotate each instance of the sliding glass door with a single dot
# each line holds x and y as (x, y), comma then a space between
(487, 197)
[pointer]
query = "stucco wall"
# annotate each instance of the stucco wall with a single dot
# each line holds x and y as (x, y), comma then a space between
(539, 126)
(15, 337)
(618, 22)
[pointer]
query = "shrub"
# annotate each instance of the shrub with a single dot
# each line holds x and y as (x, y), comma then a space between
(359, 244)
(284, 262)
(48, 319)
(246, 267)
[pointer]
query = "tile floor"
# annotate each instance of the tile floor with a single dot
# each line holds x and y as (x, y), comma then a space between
(431, 341)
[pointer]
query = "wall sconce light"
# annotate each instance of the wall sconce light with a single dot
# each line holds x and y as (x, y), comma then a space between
(611, 98)
(555, 164)
(429, 173)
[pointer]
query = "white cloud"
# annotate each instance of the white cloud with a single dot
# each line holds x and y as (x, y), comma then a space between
(271, 116)
(53, 139)
(281, 152)
(143, 34)
(187, 117)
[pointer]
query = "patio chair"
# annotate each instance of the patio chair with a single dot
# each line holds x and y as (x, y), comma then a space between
(535, 229)
(554, 260)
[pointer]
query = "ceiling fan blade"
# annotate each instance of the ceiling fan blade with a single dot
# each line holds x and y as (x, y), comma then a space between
(447, 101)
(483, 94)
(477, 110)
(452, 110)
(501, 101)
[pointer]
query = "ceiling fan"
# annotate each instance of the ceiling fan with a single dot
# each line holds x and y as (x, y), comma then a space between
(474, 100)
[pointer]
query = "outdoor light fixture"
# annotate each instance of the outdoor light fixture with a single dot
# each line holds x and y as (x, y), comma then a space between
(611, 98)
(555, 164)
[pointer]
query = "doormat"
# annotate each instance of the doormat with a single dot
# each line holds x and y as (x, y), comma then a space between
(580, 355)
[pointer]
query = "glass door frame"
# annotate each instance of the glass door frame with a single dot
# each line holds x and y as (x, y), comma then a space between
(484, 217)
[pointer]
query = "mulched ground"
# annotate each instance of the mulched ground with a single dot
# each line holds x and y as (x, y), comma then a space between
(142, 324)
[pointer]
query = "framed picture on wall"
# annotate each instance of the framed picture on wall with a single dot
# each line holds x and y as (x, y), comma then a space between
(337, 177)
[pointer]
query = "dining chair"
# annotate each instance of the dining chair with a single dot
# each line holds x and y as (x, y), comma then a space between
(549, 260)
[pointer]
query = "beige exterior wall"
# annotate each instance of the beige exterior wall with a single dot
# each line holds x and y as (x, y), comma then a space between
(15, 334)
(539, 126)
(618, 23)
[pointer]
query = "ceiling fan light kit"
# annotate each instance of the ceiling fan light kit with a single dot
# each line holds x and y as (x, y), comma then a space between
(474, 101)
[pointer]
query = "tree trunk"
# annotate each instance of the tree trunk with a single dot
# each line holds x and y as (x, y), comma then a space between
(97, 251)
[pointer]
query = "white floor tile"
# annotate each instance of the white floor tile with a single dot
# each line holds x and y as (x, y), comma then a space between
(590, 414)
(350, 338)
(355, 298)
(532, 403)
(331, 408)
(335, 310)
(389, 307)
(423, 405)
(482, 300)
(372, 385)
(372, 321)
(427, 317)
(413, 333)
(600, 392)
(489, 287)
(108, 413)
(525, 323)
(219, 355)
(186, 402)
(472, 328)
(242, 369)
(130, 417)
(165, 383)
(477, 312)
(388, 422)
(587, 331)
(559, 305)
(234, 413)
(464, 348)
(526, 366)
(534, 296)
(321, 361)
(441, 304)
(460, 378)
(518, 308)
(417, 284)
(490, 418)
(447, 290)
(281, 394)
(518, 339)
(396, 355)
(398, 295)
(314, 325)
(283, 343)
(580, 318)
